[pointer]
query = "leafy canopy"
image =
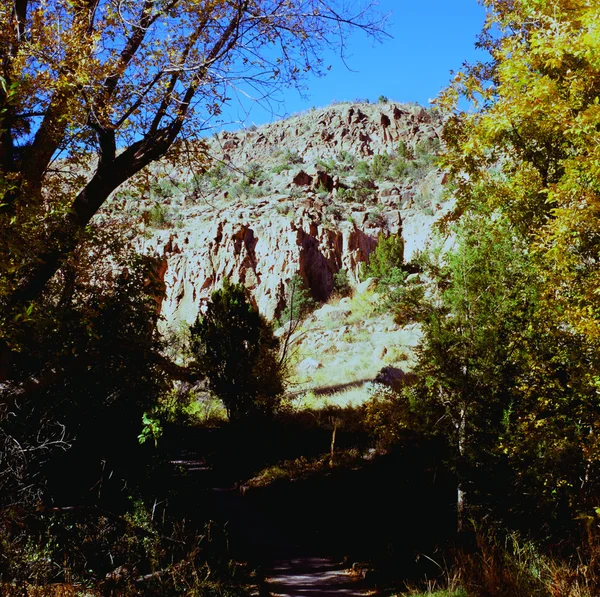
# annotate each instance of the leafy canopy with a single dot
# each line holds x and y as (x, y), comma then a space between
(532, 148)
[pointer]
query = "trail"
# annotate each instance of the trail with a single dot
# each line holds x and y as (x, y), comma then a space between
(292, 558)
(312, 576)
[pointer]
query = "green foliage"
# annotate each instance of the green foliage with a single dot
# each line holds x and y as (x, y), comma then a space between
(329, 165)
(476, 316)
(363, 190)
(254, 173)
(376, 218)
(244, 190)
(299, 301)
(92, 339)
(347, 159)
(380, 166)
(363, 169)
(341, 283)
(532, 148)
(385, 262)
(345, 195)
(402, 151)
(426, 150)
(530, 153)
(151, 430)
(236, 349)
(93, 551)
(400, 169)
(280, 168)
(218, 175)
(383, 99)
(158, 216)
(293, 157)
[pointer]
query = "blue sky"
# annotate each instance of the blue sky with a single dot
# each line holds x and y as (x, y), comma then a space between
(429, 39)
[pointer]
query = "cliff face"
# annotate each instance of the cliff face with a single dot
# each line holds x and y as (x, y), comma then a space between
(308, 195)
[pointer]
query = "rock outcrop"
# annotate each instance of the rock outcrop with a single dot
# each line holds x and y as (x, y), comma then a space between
(277, 208)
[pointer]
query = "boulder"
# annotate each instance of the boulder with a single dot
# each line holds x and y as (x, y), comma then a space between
(302, 179)
(368, 284)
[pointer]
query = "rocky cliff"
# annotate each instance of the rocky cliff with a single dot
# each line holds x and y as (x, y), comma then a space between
(310, 195)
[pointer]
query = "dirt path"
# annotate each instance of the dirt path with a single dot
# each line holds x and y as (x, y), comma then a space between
(293, 552)
(312, 577)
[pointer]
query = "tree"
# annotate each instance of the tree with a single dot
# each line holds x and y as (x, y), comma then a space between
(88, 362)
(236, 349)
(530, 152)
(95, 90)
(386, 261)
(532, 147)
(478, 303)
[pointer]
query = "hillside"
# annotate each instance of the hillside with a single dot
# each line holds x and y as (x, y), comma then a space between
(308, 195)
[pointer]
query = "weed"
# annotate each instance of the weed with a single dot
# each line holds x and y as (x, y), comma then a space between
(254, 173)
(293, 157)
(346, 195)
(329, 165)
(347, 159)
(334, 210)
(280, 168)
(376, 218)
(283, 209)
(380, 166)
(158, 216)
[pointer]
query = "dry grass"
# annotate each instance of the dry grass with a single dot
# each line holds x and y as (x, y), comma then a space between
(350, 351)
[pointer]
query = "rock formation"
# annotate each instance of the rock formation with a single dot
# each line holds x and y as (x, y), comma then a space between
(286, 198)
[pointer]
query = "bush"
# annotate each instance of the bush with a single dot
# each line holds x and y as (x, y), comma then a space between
(293, 157)
(385, 262)
(341, 283)
(235, 346)
(380, 166)
(254, 173)
(157, 216)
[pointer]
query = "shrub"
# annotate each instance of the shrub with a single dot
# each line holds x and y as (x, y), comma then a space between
(329, 165)
(363, 168)
(383, 99)
(254, 173)
(299, 301)
(235, 346)
(376, 218)
(280, 168)
(346, 195)
(400, 169)
(157, 216)
(380, 165)
(341, 283)
(403, 151)
(293, 157)
(244, 190)
(385, 262)
(346, 158)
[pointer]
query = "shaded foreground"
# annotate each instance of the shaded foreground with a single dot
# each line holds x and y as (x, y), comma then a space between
(387, 510)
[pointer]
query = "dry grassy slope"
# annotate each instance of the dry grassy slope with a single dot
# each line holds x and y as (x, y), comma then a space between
(341, 349)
